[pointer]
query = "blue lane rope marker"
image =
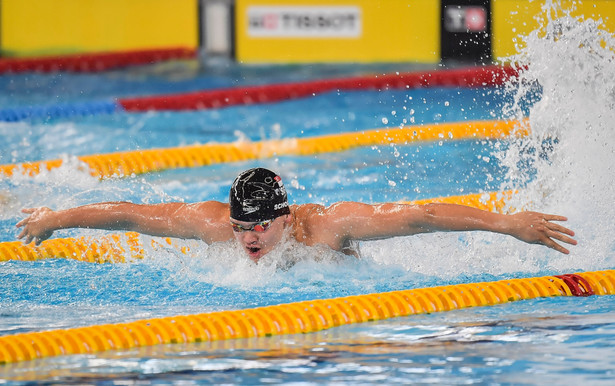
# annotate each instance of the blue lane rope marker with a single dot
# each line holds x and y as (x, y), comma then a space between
(66, 110)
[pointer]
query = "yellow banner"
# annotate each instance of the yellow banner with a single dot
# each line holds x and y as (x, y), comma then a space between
(512, 19)
(54, 27)
(284, 31)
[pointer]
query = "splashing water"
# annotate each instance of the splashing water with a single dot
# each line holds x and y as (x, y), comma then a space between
(564, 167)
(572, 146)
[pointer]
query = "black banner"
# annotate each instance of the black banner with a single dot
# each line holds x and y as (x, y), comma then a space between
(466, 30)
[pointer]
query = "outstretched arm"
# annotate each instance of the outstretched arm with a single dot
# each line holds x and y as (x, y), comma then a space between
(351, 220)
(207, 220)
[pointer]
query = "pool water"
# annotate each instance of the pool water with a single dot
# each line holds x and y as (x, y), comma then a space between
(564, 167)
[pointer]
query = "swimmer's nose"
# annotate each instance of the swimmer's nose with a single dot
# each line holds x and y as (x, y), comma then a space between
(250, 237)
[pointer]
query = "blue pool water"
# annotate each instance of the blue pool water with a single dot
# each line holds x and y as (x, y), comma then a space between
(564, 341)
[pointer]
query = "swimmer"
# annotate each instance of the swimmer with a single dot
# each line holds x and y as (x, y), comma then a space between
(258, 216)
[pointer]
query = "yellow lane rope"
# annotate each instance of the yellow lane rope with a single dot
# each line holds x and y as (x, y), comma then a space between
(491, 201)
(129, 163)
(294, 318)
(119, 248)
(114, 248)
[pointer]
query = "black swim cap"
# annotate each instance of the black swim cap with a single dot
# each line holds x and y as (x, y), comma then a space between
(258, 195)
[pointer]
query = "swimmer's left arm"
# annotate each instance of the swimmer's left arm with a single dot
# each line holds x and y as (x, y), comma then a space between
(358, 221)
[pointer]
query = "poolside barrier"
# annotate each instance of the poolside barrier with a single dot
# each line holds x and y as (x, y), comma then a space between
(129, 163)
(296, 318)
(93, 62)
(120, 248)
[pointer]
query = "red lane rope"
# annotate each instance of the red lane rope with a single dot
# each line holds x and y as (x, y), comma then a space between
(484, 76)
(93, 62)
(577, 284)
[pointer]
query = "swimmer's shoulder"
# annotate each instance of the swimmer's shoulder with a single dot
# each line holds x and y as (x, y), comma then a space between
(208, 211)
(211, 205)
(318, 213)
(210, 220)
(306, 219)
(313, 225)
(305, 212)
(312, 219)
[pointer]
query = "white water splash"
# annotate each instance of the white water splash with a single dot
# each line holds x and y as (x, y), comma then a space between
(226, 264)
(573, 60)
(47, 188)
(566, 166)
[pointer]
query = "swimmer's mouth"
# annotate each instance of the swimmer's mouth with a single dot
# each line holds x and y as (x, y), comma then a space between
(253, 249)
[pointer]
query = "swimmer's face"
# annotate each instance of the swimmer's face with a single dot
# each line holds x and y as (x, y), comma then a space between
(257, 241)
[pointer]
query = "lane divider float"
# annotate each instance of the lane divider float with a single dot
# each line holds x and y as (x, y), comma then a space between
(490, 201)
(292, 318)
(94, 62)
(58, 110)
(122, 248)
(128, 163)
(476, 76)
(114, 248)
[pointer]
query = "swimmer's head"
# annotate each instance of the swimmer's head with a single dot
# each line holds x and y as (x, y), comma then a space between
(258, 195)
(259, 211)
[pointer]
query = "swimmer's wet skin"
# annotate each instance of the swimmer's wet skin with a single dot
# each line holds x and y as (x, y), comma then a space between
(258, 216)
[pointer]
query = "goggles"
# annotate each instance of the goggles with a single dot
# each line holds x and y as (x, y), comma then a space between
(257, 227)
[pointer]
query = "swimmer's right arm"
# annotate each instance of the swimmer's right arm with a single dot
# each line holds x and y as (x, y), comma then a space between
(190, 221)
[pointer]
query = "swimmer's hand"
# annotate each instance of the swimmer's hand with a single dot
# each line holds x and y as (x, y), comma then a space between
(38, 226)
(537, 228)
